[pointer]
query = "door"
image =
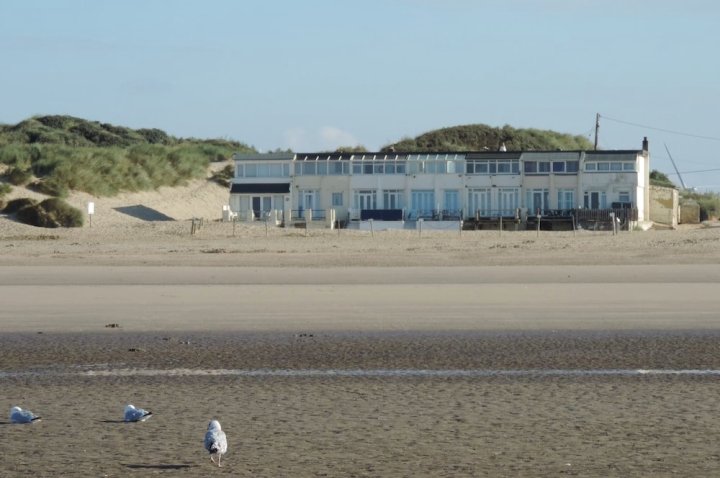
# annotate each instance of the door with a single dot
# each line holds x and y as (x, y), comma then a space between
(509, 201)
(261, 206)
(479, 202)
(423, 202)
(452, 202)
(366, 200)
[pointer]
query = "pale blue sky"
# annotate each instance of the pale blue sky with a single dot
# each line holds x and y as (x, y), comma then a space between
(317, 74)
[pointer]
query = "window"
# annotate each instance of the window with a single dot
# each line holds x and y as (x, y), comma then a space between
(572, 166)
(365, 199)
(628, 166)
(615, 166)
(537, 200)
(537, 167)
(624, 196)
(595, 200)
(393, 199)
(558, 166)
(603, 166)
(423, 203)
(590, 166)
(337, 199)
(566, 198)
(337, 168)
(309, 168)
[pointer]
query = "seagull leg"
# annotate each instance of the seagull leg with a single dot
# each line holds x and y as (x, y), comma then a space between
(212, 459)
(219, 456)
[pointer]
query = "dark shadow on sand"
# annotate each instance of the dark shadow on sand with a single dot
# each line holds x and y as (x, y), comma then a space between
(143, 212)
(158, 467)
(114, 421)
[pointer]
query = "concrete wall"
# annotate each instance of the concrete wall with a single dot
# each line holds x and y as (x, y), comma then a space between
(689, 213)
(664, 205)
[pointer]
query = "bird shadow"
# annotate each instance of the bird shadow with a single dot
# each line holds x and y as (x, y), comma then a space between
(114, 421)
(138, 466)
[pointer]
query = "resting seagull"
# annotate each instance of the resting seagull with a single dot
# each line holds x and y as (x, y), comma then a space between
(133, 414)
(215, 441)
(18, 415)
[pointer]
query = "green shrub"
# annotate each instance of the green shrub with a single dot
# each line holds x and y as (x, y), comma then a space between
(5, 189)
(16, 204)
(18, 176)
(53, 212)
(52, 187)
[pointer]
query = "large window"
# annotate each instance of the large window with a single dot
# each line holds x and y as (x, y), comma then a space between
(564, 167)
(536, 167)
(378, 167)
(262, 170)
(610, 166)
(492, 166)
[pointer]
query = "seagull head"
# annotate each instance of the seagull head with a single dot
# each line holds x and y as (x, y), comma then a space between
(214, 425)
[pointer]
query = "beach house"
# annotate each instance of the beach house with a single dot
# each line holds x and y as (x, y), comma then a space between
(479, 187)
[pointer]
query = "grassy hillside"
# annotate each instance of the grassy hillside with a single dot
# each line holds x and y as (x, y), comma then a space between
(479, 137)
(60, 153)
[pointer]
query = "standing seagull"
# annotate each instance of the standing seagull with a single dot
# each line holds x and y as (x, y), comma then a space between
(133, 414)
(215, 441)
(18, 415)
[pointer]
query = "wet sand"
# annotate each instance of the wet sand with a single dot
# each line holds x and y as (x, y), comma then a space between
(187, 337)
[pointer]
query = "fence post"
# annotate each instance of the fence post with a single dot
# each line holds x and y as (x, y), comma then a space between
(500, 230)
(372, 232)
(538, 225)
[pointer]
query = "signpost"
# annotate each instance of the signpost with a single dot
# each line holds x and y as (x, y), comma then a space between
(91, 211)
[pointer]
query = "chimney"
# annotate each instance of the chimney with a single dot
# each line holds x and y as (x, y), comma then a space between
(645, 145)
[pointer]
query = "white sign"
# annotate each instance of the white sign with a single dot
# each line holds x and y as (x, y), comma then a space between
(91, 208)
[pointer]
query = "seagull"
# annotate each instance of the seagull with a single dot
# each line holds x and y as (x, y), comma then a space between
(18, 415)
(215, 441)
(133, 414)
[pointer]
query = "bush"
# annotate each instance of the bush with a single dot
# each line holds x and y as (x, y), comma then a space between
(51, 187)
(53, 212)
(224, 176)
(16, 204)
(4, 189)
(18, 176)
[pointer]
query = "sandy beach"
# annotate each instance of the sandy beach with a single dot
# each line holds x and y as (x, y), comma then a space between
(327, 353)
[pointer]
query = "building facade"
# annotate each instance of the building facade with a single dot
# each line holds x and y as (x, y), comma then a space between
(439, 185)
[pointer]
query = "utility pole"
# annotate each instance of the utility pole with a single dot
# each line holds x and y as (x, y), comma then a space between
(597, 127)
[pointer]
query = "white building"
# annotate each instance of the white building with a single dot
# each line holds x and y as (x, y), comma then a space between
(440, 185)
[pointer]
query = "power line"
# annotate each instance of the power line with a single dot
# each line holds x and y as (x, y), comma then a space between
(697, 171)
(711, 138)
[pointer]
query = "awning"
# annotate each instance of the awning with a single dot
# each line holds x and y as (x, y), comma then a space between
(260, 188)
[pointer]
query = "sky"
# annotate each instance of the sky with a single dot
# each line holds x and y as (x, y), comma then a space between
(313, 75)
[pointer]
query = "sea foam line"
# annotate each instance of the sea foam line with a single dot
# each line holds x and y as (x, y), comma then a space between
(361, 373)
